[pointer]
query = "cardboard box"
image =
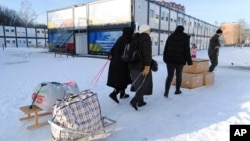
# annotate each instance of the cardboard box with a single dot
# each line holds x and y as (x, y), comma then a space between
(199, 66)
(208, 78)
(190, 80)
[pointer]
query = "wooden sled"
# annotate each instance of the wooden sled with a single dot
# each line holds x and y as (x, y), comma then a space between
(33, 114)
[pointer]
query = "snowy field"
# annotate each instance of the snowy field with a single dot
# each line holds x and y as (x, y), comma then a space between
(201, 114)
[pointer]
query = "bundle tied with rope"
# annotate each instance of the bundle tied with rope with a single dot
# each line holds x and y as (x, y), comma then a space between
(78, 115)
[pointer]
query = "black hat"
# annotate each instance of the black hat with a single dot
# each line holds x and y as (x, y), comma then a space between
(219, 31)
(179, 28)
(128, 31)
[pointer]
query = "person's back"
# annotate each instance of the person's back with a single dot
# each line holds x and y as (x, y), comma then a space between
(176, 54)
(118, 74)
(177, 49)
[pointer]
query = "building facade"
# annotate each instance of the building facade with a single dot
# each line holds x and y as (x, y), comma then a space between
(12, 36)
(94, 27)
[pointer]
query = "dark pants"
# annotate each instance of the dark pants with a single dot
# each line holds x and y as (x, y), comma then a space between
(177, 69)
(214, 62)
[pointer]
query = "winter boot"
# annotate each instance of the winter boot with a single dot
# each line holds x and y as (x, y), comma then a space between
(133, 103)
(113, 96)
(123, 94)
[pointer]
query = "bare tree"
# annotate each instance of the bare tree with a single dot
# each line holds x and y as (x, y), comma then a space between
(27, 13)
(9, 17)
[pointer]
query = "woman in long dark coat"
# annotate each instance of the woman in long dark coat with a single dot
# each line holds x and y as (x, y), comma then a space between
(140, 70)
(118, 74)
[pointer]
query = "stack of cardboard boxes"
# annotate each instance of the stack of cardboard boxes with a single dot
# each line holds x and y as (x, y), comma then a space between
(196, 75)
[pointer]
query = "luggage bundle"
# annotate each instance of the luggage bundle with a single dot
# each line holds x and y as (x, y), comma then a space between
(46, 93)
(76, 116)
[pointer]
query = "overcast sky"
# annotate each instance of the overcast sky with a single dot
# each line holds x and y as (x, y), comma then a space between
(209, 11)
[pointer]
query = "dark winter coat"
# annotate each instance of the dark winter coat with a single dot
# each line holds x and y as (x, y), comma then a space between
(118, 74)
(177, 50)
(145, 47)
(214, 41)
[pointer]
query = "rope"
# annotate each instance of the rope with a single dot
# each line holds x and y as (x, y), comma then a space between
(96, 78)
(137, 79)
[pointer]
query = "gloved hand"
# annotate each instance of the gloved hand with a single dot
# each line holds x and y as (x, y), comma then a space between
(146, 70)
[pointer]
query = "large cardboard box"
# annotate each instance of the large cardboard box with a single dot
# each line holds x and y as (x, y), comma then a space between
(208, 78)
(199, 66)
(190, 80)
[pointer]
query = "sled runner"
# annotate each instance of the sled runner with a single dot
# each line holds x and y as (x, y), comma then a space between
(34, 114)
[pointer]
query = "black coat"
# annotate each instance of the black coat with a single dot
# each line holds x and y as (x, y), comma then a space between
(177, 50)
(214, 41)
(145, 47)
(118, 74)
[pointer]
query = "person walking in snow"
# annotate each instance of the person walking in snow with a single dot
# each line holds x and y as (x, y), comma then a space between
(213, 50)
(119, 74)
(140, 70)
(176, 54)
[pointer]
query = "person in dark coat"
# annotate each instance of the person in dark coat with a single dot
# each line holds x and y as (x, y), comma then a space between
(213, 50)
(140, 70)
(118, 74)
(176, 54)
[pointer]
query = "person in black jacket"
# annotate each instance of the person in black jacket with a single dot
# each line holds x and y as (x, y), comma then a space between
(176, 54)
(140, 70)
(119, 74)
(213, 50)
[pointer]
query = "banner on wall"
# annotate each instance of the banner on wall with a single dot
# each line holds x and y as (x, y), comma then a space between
(60, 19)
(109, 12)
(100, 42)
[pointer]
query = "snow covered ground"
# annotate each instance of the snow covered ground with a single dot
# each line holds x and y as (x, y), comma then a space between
(201, 114)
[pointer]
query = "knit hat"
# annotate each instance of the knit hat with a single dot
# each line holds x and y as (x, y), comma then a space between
(219, 31)
(144, 28)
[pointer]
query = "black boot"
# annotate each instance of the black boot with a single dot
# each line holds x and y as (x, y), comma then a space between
(140, 104)
(177, 92)
(123, 94)
(133, 103)
(113, 96)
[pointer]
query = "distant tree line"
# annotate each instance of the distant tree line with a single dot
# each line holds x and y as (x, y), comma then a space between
(25, 18)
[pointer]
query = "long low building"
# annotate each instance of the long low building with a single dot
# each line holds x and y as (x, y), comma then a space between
(13, 36)
(94, 27)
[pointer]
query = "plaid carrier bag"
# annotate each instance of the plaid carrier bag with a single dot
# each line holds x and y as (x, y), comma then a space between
(76, 116)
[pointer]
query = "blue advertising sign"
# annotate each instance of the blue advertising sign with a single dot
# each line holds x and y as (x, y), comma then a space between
(100, 42)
